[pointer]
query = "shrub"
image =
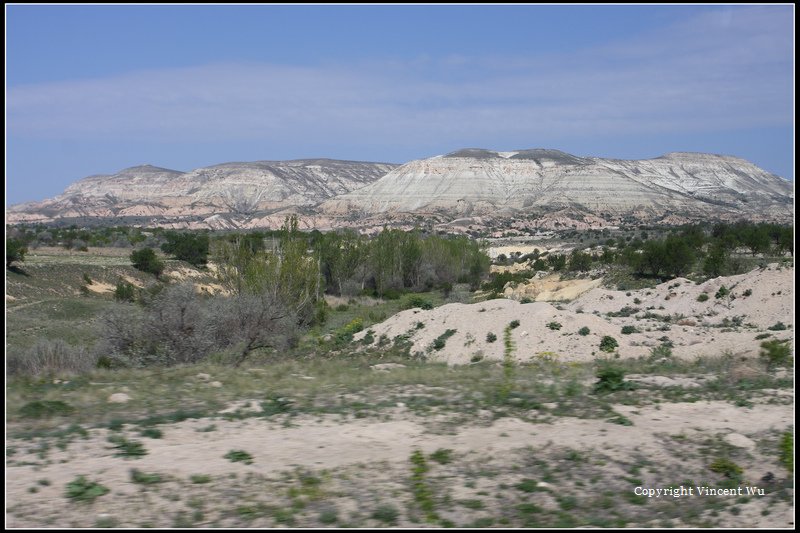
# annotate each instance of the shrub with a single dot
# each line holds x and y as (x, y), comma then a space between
(722, 292)
(15, 251)
(345, 334)
(787, 451)
(702, 297)
(555, 326)
(415, 300)
(137, 476)
(661, 352)
(514, 324)
(726, 467)
(45, 409)
(153, 433)
(189, 247)
(779, 326)
(146, 261)
(491, 337)
(584, 331)
(127, 448)
(442, 456)
(242, 456)
(81, 489)
(124, 292)
(608, 344)
(776, 353)
(386, 513)
(611, 379)
(748, 292)
(48, 358)
(627, 330)
(439, 342)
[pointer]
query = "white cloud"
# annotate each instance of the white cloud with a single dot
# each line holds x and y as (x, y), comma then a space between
(724, 69)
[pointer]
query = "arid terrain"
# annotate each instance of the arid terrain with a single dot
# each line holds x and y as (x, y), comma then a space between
(398, 432)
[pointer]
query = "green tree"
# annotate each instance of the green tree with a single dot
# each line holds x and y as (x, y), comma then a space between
(716, 261)
(189, 247)
(146, 261)
(15, 251)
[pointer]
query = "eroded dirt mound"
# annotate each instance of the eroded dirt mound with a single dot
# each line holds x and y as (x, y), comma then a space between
(673, 313)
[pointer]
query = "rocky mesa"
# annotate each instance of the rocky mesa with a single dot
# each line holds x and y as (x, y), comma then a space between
(476, 182)
(547, 188)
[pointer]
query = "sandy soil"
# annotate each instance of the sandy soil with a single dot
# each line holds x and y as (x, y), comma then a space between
(332, 444)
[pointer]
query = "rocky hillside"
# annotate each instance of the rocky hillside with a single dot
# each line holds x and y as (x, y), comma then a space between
(475, 182)
(471, 188)
(227, 195)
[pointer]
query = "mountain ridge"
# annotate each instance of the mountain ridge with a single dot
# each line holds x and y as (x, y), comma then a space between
(459, 185)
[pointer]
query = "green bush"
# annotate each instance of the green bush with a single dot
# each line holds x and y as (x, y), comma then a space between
(608, 344)
(627, 330)
(45, 409)
(722, 292)
(146, 261)
(242, 456)
(137, 476)
(386, 513)
(80, 489)
(125, 292)
(415, 300)
(491, 337)
(611, 379)
(661, 352)
(514, 324)
(15, 251)
(776, 353)
(442, 456)
(189, 247)
(439, 342)
(726, 467)
(584, 331)
(555, 326)
(152, 433)
(779, 326)
(702, 297)
(127, 448)
(787, 451)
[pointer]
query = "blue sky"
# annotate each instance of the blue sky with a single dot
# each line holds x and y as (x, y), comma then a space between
(95, 89)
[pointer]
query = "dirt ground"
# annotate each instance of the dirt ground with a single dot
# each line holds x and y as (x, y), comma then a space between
(358, 464)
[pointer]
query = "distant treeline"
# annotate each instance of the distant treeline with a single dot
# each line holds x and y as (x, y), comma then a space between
(708, 251)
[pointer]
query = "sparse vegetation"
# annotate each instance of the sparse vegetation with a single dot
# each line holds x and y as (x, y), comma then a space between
(775, 353)
(555, 326)
(239, 456)
(726, 467)
(82, 490)
(612, 379)
(127, 448)
(787, 450)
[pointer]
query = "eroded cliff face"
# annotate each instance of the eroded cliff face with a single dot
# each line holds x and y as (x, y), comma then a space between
(237, 192)
(481, 182)
(481, 188)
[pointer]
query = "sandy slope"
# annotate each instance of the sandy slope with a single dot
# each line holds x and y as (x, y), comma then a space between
(695, 328)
